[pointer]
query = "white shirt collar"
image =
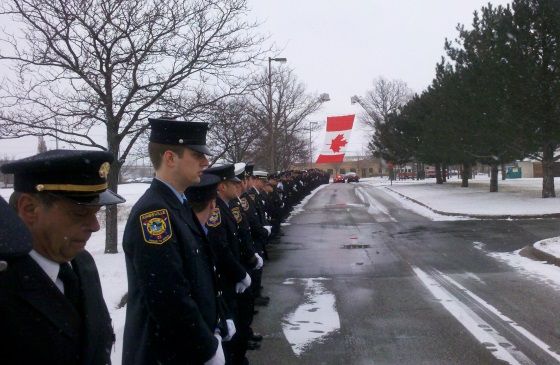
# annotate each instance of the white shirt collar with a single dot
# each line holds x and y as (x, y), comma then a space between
(51, 268)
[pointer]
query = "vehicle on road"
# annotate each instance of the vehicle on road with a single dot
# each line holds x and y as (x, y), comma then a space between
(352, 177)
(338, 179)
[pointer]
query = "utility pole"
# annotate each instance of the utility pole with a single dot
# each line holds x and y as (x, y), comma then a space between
(311, 125)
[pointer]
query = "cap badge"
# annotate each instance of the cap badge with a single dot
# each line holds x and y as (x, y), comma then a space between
(104, 170)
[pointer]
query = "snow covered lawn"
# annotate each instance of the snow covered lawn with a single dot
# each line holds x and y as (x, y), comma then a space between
(550, 246)
(516, 197)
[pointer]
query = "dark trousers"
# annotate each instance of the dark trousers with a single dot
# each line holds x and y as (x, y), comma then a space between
(256, 279)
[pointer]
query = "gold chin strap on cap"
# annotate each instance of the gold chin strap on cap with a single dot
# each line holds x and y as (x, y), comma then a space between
(72, 187)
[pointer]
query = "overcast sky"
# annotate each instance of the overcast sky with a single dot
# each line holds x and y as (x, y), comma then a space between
(340, 46)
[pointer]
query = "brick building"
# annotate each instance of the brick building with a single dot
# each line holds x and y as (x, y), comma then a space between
(364, 166)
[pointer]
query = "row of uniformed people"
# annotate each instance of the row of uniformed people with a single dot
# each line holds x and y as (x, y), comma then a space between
(193, 245)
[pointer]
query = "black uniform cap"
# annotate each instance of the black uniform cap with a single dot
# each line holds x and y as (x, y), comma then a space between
(204, 190)
(78, 175)
(15, 238)
(224, 172)
(180, 133)
(249, 169)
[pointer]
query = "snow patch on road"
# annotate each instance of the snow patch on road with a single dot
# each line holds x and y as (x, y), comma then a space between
(374, 207)
(314, 320)
(299, 208)
(522, 331)
(539, 271)
(498, 346)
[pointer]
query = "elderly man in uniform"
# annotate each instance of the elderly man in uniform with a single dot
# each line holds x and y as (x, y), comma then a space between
(173, 313)
(51, 305)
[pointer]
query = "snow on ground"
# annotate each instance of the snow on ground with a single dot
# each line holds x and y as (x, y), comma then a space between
(550, 246)
(112, 268)
(521, 197)
(299, 208)
(313, 320)
(539, 271)
(422, 210)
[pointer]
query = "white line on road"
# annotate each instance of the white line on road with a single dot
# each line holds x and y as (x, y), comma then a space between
(498, 346)
(528, 335)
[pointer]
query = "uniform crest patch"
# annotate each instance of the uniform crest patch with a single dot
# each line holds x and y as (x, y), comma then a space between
(236, 214)
(156, 226)
(215, 218)
(244, 203)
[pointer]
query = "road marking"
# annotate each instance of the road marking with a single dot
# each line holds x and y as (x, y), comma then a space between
(312, 321)
(525, 333)
(375, 207)
(498, 346)
(475, 277)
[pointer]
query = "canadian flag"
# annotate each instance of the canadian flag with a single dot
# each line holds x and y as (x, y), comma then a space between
(337, 137)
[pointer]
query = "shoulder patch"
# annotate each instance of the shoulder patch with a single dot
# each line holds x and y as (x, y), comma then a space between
(252, 196)
(156, 226)
(244, 204)
(236, 214)
(215, 218)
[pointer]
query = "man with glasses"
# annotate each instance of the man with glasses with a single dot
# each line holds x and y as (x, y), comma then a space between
(51, 305)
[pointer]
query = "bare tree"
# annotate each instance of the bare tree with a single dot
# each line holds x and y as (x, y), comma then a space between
(99, 67)
(233, 130)
(386, 97)
(292, 105)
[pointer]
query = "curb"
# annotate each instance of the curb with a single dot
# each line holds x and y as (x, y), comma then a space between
(534, 253)
(477, 216)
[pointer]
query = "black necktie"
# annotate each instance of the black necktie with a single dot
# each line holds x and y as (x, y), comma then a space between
(71, 285)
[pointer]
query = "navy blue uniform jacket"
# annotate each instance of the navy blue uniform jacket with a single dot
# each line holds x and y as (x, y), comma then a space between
(172, 308)
(40, 326)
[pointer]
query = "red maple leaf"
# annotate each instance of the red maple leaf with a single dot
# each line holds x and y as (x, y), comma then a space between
(338, 142)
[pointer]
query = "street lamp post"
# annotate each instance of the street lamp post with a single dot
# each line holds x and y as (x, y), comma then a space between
(311, 125)
(270, 123)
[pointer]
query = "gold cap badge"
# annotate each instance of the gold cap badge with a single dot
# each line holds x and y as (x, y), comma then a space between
(104, 170)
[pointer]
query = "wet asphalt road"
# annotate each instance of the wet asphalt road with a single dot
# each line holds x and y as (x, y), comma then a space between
(388, 288)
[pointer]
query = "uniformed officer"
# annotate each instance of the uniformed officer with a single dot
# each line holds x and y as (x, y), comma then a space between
(173, 314)
(260, 230)
(275, 205)
(253, 264)
(223, 235)
(51, 306)
(15, 238)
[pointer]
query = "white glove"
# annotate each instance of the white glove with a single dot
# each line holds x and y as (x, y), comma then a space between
(231, 330)
(219, 357)
(260, 261)
(268, 229)
(243, 284)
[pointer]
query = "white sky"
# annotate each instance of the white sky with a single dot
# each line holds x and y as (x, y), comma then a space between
(340, 46)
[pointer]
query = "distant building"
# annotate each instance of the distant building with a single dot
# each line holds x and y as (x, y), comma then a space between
(364, 166)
